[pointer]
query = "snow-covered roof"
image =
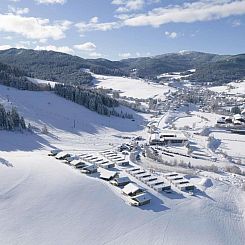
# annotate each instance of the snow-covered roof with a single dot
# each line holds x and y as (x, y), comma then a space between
(76, 162)
(106, 174)
(237, 117)
(61, 154)
(142, 197)
(131, 188)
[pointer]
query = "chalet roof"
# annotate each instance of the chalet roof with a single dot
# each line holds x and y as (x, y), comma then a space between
(131, 188)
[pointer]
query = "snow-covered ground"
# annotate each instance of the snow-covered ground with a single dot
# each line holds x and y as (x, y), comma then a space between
(231, 88)
(44, 201)
(136, 88)
(40, 81)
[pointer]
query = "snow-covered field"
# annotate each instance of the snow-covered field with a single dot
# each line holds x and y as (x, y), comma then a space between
(231, 88)
(136, 88)
(44, 201)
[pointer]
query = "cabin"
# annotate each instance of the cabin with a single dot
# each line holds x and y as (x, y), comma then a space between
(186, 187)
(122, 181)
(71, 158)
(162, 187)
(107, 175)
(174, 178)
(142, 176)
(89, 169)
(149, 179)
(141, 171)
(62, 155)
(132, 189)
(54, 152)
(141, 199)
(108, 165)
(131, 170)
(77, 163)
(122, 162)
(155, 182)
(179, 182)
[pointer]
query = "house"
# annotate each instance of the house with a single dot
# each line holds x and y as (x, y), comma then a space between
(162, 187)
(71, 158)
(107, 175)
(166, 175)
(62, 155)
(179, 182)
(131, 170)
(173, 178)
(155, 182)
(108, 165)
(238, 117)
(141, 199)
(86, 157)
(168, 137)
(141, 171)
(132, 189)
(149, 179)
(89, 169)
(143, 175)
(54, 152)
(122, 181)
(77, 163)
(186, 187)
(122, 162)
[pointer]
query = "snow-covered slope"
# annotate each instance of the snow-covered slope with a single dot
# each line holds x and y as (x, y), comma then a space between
(43, 201)
(136, 88)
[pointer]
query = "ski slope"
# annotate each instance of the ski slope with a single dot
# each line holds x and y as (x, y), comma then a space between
(44, 201)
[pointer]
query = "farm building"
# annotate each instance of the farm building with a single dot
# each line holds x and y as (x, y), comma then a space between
(132, 189)
(122, 181)
(168, 137)
(141, 199)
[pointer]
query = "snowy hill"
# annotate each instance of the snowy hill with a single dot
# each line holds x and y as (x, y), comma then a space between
(44, 201)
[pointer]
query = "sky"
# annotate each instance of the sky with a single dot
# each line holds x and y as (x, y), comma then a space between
(118, 29)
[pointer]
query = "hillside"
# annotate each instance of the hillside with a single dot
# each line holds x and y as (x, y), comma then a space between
(14, 77)
(64, 68)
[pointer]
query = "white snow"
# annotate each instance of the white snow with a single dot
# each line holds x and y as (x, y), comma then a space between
(40, 81)
(44, 201)
(234, 88)
(136, 88)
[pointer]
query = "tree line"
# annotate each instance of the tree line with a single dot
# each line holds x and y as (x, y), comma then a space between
(93, 99)
(11, 120)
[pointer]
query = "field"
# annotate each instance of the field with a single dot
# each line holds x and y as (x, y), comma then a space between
(136, 88)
